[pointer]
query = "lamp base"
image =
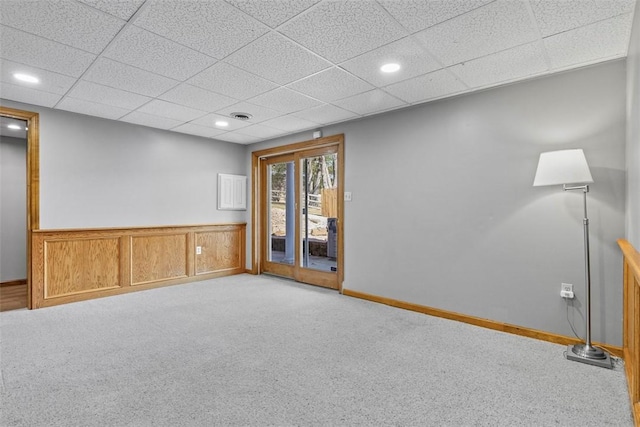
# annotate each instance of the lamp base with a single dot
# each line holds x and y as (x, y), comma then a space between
(589, 354)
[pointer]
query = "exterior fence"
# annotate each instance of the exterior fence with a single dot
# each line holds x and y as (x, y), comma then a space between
(326, 201)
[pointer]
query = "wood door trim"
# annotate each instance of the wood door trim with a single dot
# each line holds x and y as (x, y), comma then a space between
(301, 146)
(33, 179)
(258, 202)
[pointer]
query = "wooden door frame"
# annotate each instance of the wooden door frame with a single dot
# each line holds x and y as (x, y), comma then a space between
(33, 179)
(257, 202)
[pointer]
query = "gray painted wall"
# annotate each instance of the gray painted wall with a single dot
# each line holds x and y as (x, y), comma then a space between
(444, 213)
(102, 173)
(448, 220)
(13, 209)
(633, 134)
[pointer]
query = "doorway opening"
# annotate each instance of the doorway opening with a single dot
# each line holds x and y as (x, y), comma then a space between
(14, 290)
(298, 211)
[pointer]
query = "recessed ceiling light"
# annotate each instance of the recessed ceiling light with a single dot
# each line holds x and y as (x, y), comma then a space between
(26, 78)
(390, 68)
(222, 123)
(14, 127)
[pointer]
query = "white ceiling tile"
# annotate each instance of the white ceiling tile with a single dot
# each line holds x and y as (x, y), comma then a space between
(273, 13)
(410, 55)
(339, 30)
(24, 48)
(123, 9)
(107, 95)
(430, 86)
(370, 102)
(197, 98)
(259, 113)
(289, 123)
(284, 100)
(91, 108)
(277, 59)
(125, 77)
(28, 95)
(210, 121)
(198, 130)
(330, 85)
(142, 49)
(49, 81)
(515, 63)
(261, 131)
(161, 108)
(488, 29)
(603, 40)
(212, 27)
(231, 81)
(150, 120)
(416, 15)
(64, 21)
(238, 138)
(558, 16)
(325, 114)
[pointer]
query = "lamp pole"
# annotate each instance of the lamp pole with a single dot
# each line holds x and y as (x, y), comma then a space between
(586, 352)
(587, 266)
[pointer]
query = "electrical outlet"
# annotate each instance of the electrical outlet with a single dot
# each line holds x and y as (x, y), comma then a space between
(566, 290)
(198, 250)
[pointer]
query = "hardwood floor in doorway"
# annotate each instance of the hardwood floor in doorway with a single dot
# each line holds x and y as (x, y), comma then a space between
(13, 296)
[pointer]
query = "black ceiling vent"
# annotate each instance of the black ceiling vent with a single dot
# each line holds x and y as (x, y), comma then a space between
(241, 116)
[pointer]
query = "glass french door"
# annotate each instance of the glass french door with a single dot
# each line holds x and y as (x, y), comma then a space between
(278, 217)
(300, 216)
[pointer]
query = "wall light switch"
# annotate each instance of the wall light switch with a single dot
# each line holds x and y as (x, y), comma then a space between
(347, 196)
(198, 250)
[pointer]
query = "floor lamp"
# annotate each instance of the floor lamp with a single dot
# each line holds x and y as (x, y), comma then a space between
(569, 168)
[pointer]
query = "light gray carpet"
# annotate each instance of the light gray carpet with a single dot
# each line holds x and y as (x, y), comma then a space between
(254, 351)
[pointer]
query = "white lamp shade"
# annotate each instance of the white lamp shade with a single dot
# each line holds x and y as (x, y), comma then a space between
(562, 167)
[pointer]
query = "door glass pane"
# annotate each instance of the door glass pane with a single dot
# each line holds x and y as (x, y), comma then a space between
(281, 223)
(319, 222)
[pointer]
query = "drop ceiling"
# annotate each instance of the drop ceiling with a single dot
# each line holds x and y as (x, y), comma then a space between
(293, 65)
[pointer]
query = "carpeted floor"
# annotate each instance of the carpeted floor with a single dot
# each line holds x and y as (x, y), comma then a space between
(254, 351)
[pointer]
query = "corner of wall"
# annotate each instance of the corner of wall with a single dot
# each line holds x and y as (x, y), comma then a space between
(633, 133)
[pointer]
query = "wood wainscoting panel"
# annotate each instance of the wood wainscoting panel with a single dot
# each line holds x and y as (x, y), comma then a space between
(82, 265)
(221, 250)
(158, 257)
